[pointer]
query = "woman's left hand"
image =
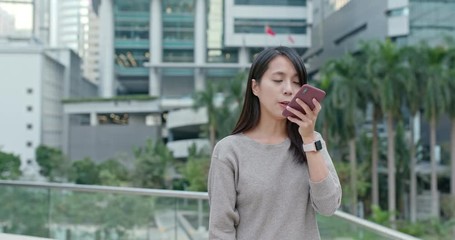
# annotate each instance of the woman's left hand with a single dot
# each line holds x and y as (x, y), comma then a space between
(306, 120)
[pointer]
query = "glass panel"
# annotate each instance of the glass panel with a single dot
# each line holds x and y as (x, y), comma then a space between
(24, 211)
(66, 214)
(337, 228)
(193, 216)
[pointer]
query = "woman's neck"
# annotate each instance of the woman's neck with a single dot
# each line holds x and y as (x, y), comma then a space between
(269, 131)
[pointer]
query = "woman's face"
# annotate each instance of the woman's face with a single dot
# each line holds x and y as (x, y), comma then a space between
(277, 87)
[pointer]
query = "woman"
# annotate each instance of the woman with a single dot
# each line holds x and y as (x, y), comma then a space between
(262, 185)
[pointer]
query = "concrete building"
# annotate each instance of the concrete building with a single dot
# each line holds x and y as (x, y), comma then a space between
(31, 95)
(346, 23)
(167, 50)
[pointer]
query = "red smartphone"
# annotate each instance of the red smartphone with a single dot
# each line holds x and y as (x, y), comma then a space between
(306, 93)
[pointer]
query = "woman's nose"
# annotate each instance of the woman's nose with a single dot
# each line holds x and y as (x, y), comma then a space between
(287, 89)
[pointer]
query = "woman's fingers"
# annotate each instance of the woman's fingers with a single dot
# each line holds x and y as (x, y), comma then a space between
(317, 107)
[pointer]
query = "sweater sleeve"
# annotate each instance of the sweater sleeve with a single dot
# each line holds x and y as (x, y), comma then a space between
(326, 194)
(224, 217)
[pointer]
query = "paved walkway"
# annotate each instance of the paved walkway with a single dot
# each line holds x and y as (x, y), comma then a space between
(168, 227)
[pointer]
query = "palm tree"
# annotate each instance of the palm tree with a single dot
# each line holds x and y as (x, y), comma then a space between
(346, 96)
(232, 103)
(388, 71)
(434, 104)
(327, 116)
(451, 107)
(373, 97)
(206, 99)
(415, 79)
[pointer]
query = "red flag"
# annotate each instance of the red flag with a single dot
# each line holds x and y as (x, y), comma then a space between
(291, 39)
(269, 31)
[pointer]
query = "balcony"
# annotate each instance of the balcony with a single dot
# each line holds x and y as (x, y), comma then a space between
(187, 117)
(70, 211)
(180, 148)
(132, 71)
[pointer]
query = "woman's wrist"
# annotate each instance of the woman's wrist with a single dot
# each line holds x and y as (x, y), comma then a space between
(308, 139)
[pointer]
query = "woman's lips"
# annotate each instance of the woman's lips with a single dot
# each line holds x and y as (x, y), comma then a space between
(284, 104)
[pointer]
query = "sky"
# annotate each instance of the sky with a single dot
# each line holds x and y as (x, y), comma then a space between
(22, 13)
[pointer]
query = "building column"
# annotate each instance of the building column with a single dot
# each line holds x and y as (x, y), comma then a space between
(156, 46)
(154, 82)
(244, 57)
(200, 48)
(107, 79)
(199, 79)
(93, 119)
(65, 133)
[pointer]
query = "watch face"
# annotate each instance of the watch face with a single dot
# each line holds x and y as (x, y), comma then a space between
(318, 145)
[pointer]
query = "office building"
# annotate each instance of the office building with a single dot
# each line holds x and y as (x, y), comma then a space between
(31, 97)
(169, 49)
(346, 23)
(75, 25)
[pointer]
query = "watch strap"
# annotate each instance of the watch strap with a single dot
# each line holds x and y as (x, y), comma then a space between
(313, 146)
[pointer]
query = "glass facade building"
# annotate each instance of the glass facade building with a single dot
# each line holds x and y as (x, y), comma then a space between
(131, 41)
(429, 20)
(170, 48)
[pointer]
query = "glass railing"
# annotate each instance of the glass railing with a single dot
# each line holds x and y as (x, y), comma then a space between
(85, 212)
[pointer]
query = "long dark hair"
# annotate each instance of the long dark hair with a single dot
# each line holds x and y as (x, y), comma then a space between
(249, 117)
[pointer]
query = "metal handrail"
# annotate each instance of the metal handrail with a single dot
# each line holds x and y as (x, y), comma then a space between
(374, 227)
(108, 189)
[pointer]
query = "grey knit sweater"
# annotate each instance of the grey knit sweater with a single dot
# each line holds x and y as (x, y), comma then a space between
(257, 191)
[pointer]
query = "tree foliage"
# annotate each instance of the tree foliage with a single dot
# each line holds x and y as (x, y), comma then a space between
(151, 164)
(196, 169)
(85, 171)
(53, 164)
(9, 166)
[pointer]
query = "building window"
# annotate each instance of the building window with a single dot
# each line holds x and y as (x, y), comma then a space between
(29, 90)
(398, 12)
(29, 144)
(29, 126)
(272, 2)
(131, 58)
(222, 55)
(280, 26)
(351, 34)
(178, 55)
(29, 108)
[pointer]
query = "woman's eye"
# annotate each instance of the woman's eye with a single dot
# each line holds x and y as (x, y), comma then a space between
(297, 82)
(277, 81)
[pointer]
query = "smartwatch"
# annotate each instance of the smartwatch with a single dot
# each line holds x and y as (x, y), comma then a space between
(315, 146)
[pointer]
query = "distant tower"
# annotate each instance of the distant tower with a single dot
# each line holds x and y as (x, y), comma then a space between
(75, 25)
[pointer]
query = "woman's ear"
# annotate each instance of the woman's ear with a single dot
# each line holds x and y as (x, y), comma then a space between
(254, 87)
